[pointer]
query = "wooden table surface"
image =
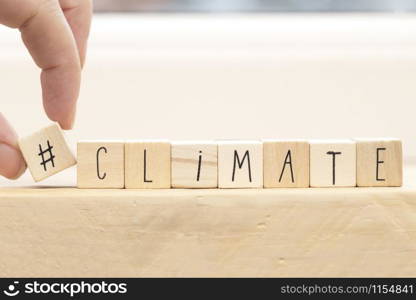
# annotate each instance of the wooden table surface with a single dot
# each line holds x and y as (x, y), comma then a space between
(64, 231)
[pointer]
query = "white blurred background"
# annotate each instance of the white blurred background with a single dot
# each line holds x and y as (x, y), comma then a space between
(245, 72)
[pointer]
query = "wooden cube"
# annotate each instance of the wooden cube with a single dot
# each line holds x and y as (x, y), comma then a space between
(194, 165)
(379, 162)
(100, 164)
(46, 152)
(285, 163)
(333, 163)
(147, 164)
(240, 164)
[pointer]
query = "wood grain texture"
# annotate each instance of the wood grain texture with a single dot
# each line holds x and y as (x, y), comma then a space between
(332, 163)
(69, 232)
(100, 164)
(148, 165)
(194, 165)
(32, 146)
(384, 168)
(285, 163)
(240, 164)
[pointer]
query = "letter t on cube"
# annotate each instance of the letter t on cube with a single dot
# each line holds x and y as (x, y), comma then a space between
(333, 163)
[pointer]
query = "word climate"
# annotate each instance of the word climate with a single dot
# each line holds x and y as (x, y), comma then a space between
(217, 164)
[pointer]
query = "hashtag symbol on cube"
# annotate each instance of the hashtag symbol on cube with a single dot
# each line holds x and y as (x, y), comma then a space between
(49, 155)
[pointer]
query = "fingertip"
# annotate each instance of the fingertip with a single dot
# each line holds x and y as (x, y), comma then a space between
(12, 163)
(52, 45)
(7, 133)
(60, 90)
(67, 126)
(66, 123)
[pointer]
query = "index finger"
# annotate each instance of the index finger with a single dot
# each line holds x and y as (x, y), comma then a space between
(51, 43)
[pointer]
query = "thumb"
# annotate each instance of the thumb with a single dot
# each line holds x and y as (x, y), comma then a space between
(12, 164)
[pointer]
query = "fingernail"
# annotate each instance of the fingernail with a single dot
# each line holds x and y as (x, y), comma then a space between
(67, 125)
(73, 115)
(69, 122)
(12, 164)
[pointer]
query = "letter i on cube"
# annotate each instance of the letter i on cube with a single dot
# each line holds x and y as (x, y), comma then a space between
(194, 165)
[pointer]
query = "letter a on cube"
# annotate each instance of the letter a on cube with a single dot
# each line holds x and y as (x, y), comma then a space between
(286, 163)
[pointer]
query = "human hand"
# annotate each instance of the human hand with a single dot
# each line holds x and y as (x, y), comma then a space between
(55, 32)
